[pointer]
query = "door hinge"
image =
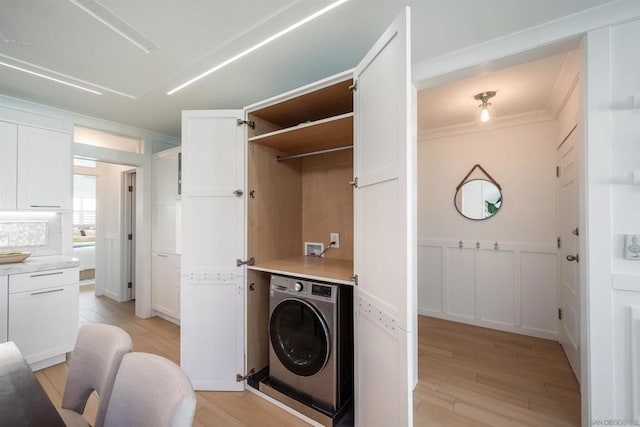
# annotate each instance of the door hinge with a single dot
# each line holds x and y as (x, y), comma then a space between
(249, 123)
(129, 236)
(240, 378)
(557, 171)
(559, 314)
(250, 261)
(354, 183)
(354, 86)
(131, 189)
(354, 279)
(558, 242)
(129, 285)
(575, 231)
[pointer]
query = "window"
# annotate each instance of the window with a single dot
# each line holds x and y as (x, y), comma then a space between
(84, 201)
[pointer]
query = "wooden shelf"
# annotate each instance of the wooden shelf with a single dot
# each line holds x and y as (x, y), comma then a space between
(319, 104)
(314, 136)
(315, 268)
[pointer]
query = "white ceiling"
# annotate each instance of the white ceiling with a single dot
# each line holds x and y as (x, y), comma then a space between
(519, 90)
(58, 38)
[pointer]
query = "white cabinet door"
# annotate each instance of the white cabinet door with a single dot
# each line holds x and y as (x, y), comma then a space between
(213, 224)
(4, 307)
(8, 164)
(44, 322)
(165, 284)
(384, 203)
(44, 169)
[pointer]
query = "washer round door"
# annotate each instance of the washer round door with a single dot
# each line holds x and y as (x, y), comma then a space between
(299, 337)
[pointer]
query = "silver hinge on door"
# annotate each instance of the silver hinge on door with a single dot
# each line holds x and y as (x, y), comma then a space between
(354, 183)
(240, 378)
(559, 314)
(558, 242)
(249, 123)
(250, 261)
(354, 279)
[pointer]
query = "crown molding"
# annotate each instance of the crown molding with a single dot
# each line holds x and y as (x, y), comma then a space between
(497, 123)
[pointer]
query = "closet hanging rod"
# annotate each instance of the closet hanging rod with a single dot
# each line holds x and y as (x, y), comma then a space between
(313, 153)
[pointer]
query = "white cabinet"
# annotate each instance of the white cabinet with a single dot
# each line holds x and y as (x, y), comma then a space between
(35, 168)
(256, 200)
(165, 214)
(165, 237)
(43, 314)
(44, 169)
(8, 164)
(165, 284)
(4, 307)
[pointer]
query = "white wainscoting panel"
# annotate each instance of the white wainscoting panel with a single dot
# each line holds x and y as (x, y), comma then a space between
(496, 301)
(459, 278)
(511, 286)
(635, 360)
(430, 271)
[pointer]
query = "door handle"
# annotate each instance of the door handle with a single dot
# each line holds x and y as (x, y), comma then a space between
(238, 193)
(575, 258)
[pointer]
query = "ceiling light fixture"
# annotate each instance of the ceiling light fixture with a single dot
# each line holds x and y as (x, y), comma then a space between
(111, 20)
(44, 76)
(486, 108)
(259, 45)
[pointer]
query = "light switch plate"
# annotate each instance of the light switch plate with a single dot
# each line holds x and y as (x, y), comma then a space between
(632, 246)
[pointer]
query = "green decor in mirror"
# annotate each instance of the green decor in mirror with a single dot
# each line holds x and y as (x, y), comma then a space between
(478, 199)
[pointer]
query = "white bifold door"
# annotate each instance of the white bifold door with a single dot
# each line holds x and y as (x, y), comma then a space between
(213, 238)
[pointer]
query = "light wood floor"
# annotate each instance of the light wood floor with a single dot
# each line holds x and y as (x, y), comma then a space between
(469, 376)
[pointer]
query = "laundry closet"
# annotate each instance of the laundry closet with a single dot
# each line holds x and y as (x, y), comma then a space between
(305, 199)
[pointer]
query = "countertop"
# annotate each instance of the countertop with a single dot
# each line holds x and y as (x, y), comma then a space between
(39, 263)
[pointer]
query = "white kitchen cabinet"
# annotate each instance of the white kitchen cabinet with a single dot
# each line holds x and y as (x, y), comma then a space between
(4, 307)
(43, 314)
(44, 175)
(266, 220)
(165, 213)
(165, 284)
(8, 164)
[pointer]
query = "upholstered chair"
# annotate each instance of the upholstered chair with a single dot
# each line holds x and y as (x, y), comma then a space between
(150, 391)
(93, 366)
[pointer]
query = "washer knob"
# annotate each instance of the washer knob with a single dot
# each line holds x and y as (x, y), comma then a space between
(297, 287)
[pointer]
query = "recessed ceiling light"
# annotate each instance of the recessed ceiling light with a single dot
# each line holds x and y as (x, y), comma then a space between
(259, 45)
(111, 20)
(44, 76)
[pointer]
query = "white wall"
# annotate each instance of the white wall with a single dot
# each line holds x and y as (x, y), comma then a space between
(511, 286)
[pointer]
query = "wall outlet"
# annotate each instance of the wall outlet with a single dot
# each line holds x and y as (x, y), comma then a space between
(335, 237)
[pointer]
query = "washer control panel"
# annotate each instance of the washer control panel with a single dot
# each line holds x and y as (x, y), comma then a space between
(301, 287)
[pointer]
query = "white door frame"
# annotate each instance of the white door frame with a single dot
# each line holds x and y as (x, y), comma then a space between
(525, 46)
(128, 221)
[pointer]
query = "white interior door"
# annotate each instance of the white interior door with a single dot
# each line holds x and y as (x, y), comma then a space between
(384, 231)
(213, 223)
(569, 244)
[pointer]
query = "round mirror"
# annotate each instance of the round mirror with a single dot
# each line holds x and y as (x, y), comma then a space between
(478, 199)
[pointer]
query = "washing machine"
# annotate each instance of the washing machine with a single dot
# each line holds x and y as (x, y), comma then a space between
(311, 341)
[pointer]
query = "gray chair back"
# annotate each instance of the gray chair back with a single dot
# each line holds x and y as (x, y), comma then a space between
(94, 363)
(150, 391)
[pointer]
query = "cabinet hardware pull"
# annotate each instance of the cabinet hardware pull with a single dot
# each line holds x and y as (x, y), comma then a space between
(163, 256)
(47, 292)
(47, 274)
(45, 206)
(238, 193)
(575, 258)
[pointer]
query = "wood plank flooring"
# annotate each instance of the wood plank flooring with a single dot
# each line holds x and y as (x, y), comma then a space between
(469, 376)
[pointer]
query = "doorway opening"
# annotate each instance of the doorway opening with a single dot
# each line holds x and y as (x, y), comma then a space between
(104, 226)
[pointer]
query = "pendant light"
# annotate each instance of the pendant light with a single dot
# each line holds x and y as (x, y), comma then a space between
(487, 111)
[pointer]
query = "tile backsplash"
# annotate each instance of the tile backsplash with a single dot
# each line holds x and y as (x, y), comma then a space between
(37, 232)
